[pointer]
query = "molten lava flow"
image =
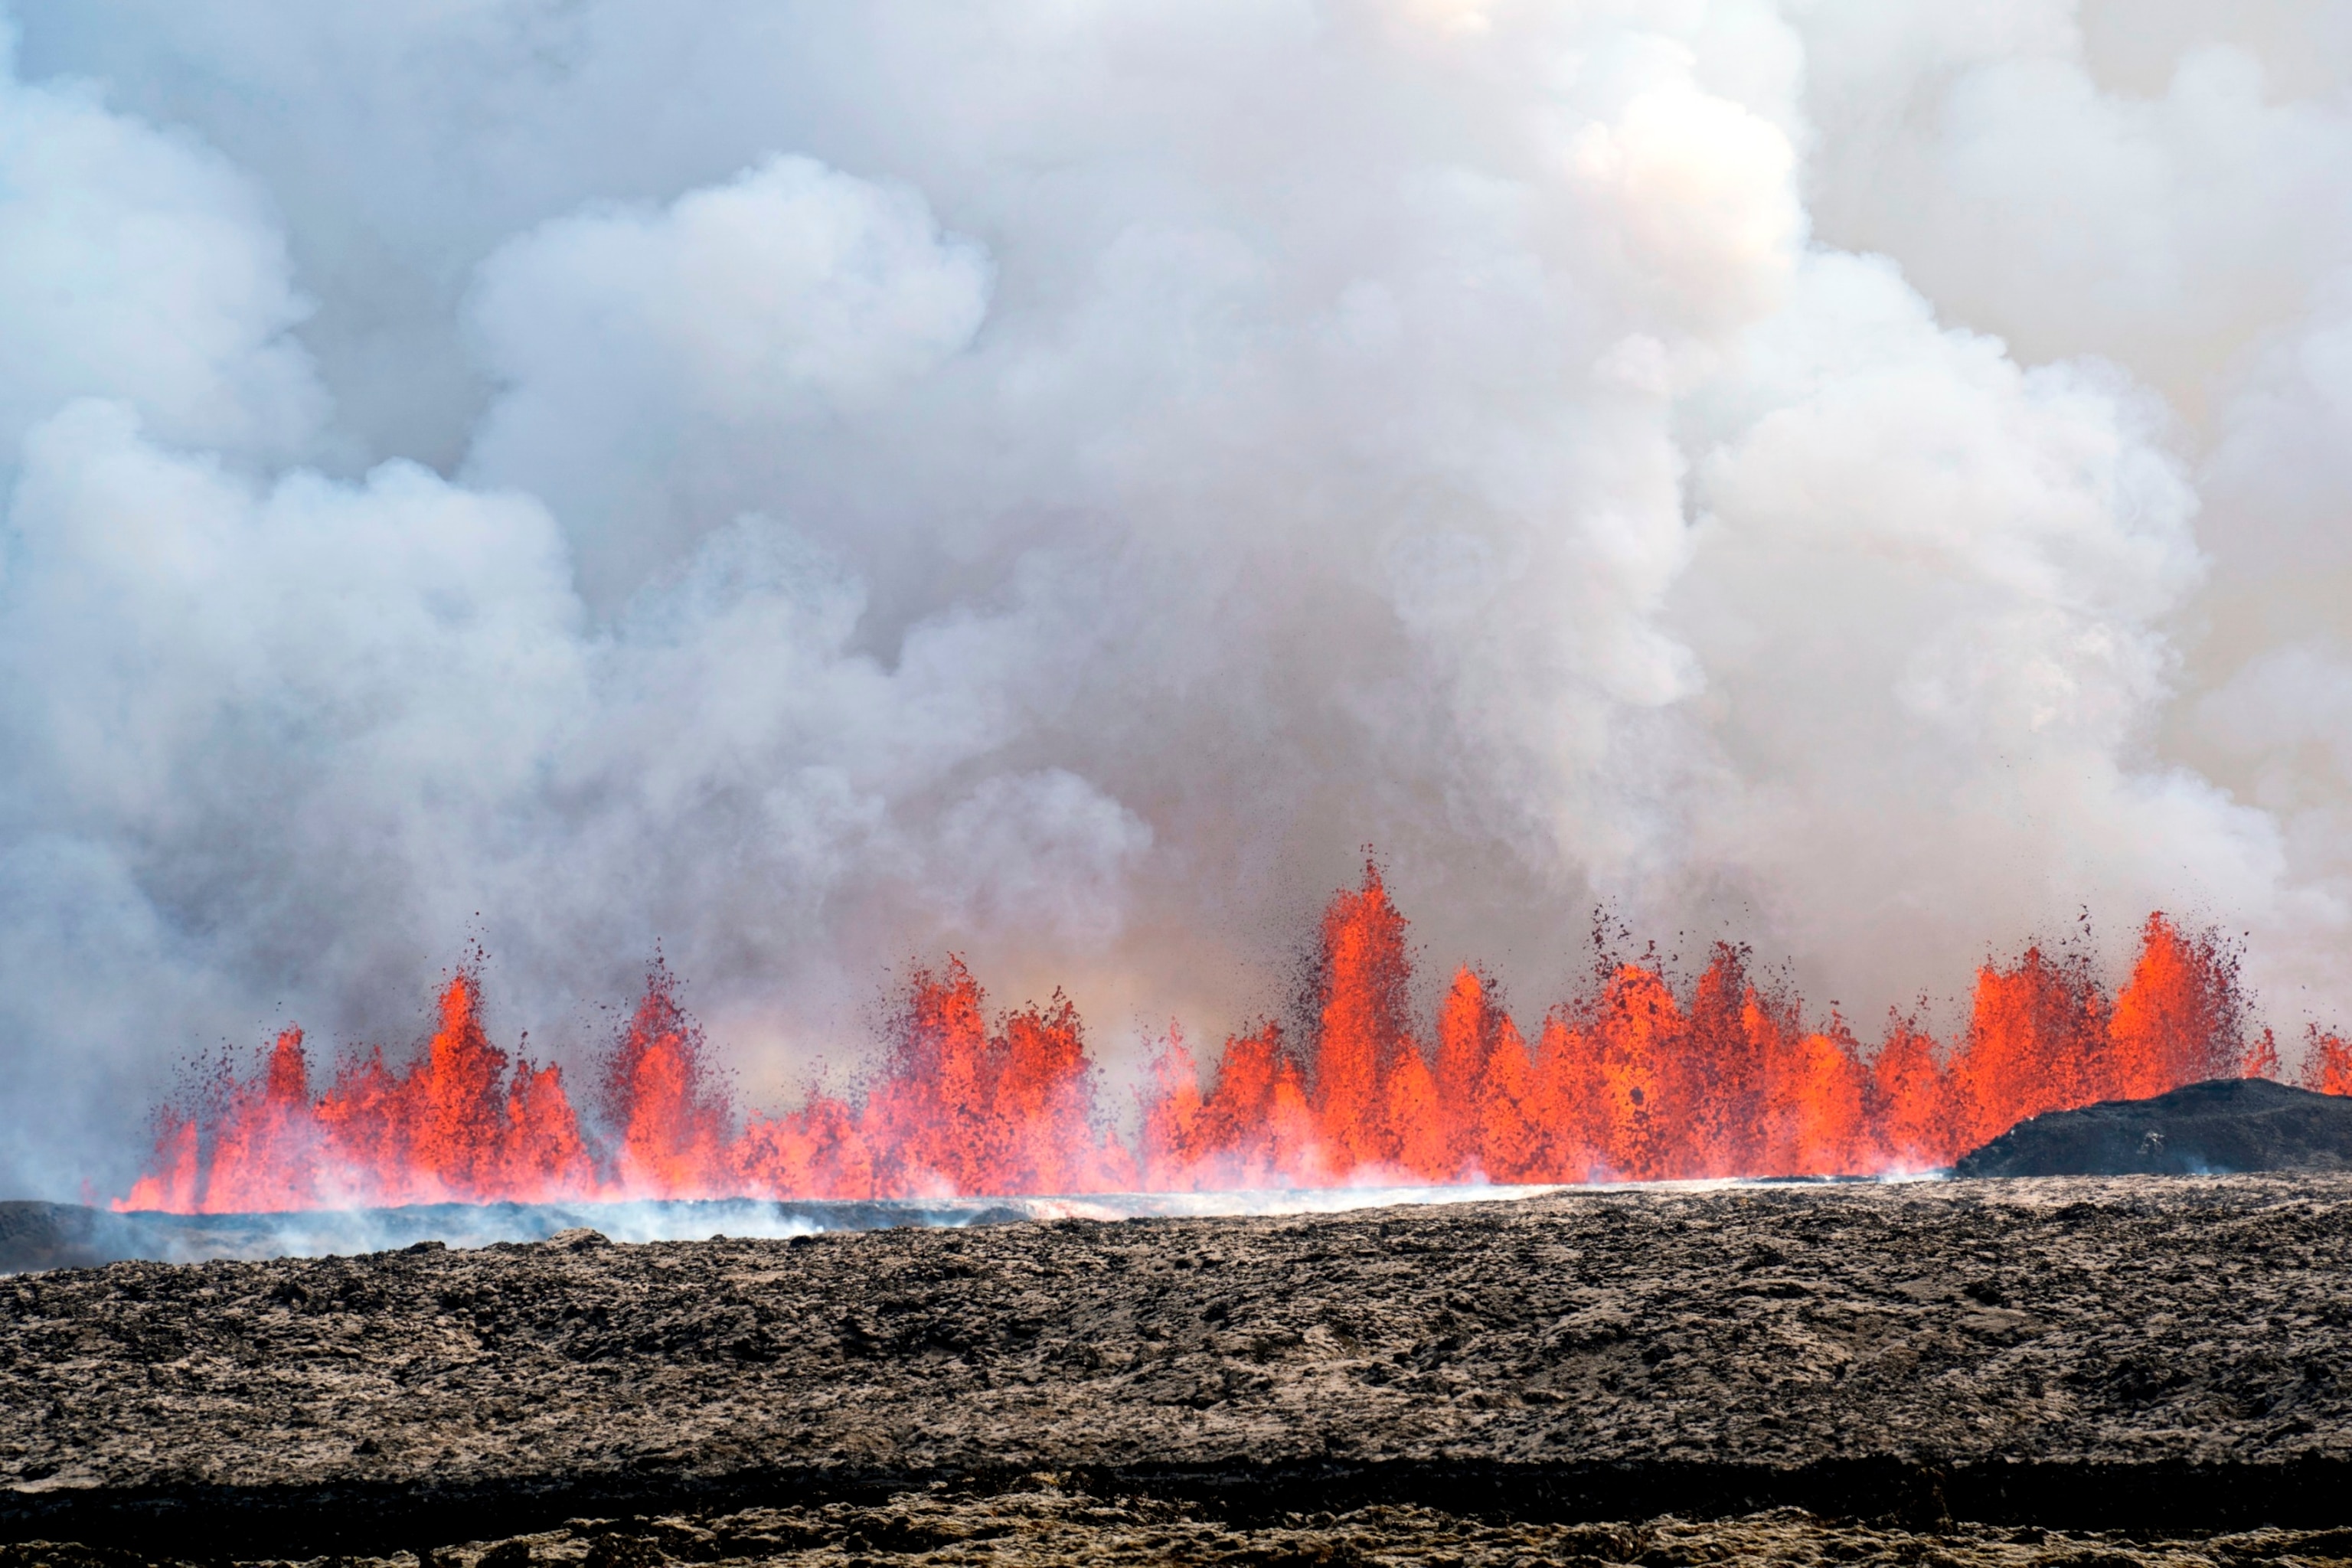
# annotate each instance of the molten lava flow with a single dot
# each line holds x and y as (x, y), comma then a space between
(1634, 1079)
(2327, 1063)
(457, 1125)
(960, 1107)
(672, 1122)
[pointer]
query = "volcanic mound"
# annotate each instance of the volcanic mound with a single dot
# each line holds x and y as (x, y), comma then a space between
(2138, 1353)
(2207, 1129)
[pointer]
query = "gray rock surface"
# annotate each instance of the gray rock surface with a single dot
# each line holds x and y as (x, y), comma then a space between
(41, 1236)
(2206, 1129)
(2085, 1354)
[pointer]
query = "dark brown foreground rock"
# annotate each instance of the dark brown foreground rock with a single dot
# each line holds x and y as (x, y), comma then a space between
(1039, 1523)
(2137, 1354)
(2207, 1129)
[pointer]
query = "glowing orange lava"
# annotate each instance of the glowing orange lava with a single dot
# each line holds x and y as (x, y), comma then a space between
(2327, 1063)
(1635, 1080)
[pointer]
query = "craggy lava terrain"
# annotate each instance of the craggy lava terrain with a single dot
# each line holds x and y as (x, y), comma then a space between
(2159, 1359)
(1040, 1523)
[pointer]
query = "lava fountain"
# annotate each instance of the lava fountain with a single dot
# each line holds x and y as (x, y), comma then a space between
(1634, 1080)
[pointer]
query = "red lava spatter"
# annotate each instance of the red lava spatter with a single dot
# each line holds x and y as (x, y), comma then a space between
(1634, 1079)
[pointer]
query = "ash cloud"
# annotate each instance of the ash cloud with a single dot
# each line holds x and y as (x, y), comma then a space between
(825, 486)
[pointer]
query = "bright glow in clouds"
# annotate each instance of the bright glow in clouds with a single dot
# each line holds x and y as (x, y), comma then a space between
(829, 486)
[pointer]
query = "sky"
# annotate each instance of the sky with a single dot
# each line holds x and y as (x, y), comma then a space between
(808, 489)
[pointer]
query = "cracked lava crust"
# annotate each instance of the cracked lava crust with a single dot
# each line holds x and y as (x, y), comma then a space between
(1479, 1382)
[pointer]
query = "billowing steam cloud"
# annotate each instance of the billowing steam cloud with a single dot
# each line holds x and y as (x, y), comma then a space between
(812, 485)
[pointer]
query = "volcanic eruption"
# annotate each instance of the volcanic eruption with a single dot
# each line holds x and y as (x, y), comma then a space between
(1636, 1078)
(1011, 545)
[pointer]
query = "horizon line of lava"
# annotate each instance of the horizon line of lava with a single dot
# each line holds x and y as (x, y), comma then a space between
(1629, 1081)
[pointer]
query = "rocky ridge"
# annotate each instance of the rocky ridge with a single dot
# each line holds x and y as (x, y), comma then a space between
(43, 1236)
(2225, 1126)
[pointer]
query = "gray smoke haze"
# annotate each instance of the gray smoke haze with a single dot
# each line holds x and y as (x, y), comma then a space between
(816, 486)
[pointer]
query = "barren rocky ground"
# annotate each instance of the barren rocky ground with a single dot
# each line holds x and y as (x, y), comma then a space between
(1465, 1383)
(1041, 1524)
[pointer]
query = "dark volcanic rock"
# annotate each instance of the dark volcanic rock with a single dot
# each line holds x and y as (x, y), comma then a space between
(2138, 1353)
(56, 1235)
(1039, 1524)
(35, 1235)
(2207, 1129)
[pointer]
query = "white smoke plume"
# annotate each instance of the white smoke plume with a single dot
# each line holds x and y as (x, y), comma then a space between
(816, 487)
